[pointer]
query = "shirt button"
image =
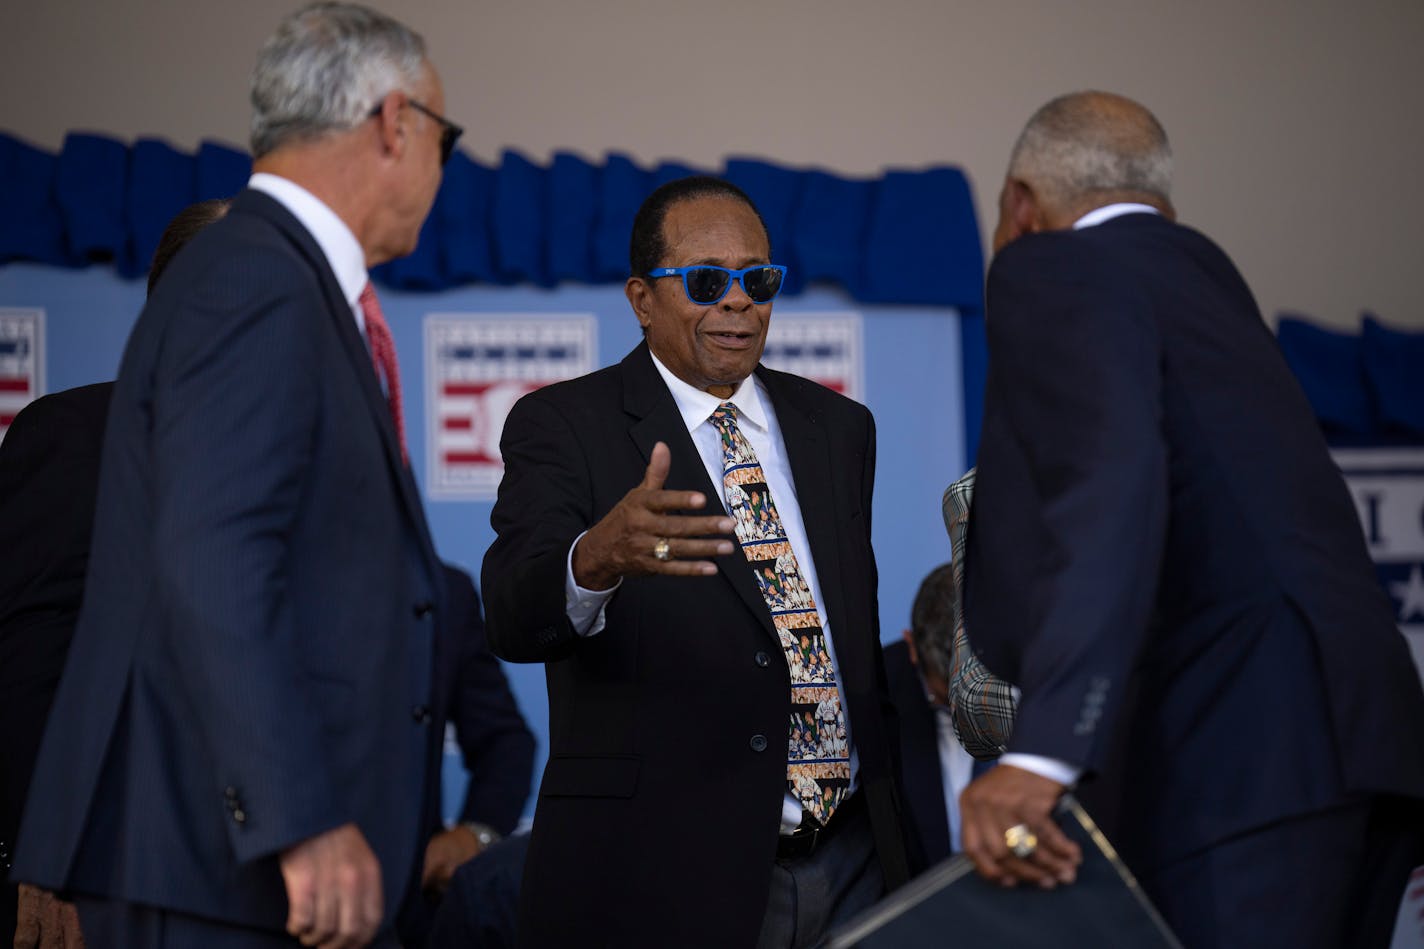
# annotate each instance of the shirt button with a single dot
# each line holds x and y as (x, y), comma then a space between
(758, 743)
(763, 660)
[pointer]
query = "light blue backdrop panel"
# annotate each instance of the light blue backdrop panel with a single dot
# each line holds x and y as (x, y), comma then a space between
(912, 381)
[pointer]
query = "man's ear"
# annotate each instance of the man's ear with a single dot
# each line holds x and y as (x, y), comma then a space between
(639, 296)
(388, 125)
(910, 644)
(1024, 208)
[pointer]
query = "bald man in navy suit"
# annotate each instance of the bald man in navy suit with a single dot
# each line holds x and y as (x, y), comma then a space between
(1165, 560)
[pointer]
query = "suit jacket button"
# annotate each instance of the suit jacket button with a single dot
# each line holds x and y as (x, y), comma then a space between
(423, 609)
(239, 815)
(758, 743)
(421, 714)
(763, 660)
(230, 794)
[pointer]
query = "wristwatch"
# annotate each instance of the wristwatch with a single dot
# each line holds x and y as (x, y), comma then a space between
(484, 833)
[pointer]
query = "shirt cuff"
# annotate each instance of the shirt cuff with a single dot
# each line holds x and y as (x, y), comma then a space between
(584, 608)
(1050, 768)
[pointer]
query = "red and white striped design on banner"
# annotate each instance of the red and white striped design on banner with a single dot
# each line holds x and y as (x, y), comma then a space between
(476, 367)
(21, 362)
(823, 347)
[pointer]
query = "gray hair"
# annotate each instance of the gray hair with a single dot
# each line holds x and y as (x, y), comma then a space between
(1093, 142)
(932, 620)
(325, 68)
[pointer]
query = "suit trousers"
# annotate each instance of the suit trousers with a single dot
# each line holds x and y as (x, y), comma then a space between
(810, 895)
(108, 924)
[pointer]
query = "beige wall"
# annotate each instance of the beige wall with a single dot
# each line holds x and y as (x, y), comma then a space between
(1298, 126)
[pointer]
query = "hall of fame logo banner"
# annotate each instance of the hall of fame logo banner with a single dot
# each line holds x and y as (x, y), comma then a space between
(1388, 487)
(21, 362)
(823, 347)
(477, 367)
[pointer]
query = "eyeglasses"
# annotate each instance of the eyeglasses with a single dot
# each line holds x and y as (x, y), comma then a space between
(705, 284)
(449, 132)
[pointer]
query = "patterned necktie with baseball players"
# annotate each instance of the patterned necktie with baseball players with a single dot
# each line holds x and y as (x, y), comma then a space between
(818, 756)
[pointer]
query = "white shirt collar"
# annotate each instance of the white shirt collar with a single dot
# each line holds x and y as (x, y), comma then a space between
(1109, 211)
(696, 406)
(342, 251)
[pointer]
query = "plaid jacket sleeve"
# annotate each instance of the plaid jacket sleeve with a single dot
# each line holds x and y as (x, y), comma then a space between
(981, 705)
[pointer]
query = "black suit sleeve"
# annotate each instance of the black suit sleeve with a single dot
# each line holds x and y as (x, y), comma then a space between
(544, 504)
(1076, 380)
(49, 477)
(495, 741)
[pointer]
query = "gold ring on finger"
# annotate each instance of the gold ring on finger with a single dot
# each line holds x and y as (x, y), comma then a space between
(662, 550)
(1021, 841)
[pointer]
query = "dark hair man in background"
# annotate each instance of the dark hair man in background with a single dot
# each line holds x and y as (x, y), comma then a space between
(935, 766)
(242, 739)
(689, 798)
(49, 480)
(1165, 560)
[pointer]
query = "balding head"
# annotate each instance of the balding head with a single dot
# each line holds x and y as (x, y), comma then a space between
(1082, 151)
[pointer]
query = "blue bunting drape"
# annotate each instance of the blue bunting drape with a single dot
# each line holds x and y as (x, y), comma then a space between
(905, 237)
(1366, 388)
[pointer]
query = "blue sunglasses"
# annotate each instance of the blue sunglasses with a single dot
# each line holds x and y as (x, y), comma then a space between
(705, 284)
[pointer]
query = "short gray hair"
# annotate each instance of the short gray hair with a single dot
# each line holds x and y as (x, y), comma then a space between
(1093, 142)
(325, 68)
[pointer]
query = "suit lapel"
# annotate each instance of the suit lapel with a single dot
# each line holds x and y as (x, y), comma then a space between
(354, 347)
(813, 472)
(647, 399)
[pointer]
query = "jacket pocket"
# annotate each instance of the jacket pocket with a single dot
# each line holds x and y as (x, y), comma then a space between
(590, 776)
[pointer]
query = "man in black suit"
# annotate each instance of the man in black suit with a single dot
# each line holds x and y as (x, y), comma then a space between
(689, 800)
(259, 622)
(934, 764)
(1164, 559)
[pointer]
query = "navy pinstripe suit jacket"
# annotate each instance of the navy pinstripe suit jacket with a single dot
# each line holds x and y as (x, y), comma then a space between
(1163, 556)
(253, 660)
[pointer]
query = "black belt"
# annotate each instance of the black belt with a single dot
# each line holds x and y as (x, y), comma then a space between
(812, 834)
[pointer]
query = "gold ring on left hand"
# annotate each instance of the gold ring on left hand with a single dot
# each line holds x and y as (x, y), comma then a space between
(662, 550)
(1021, 841)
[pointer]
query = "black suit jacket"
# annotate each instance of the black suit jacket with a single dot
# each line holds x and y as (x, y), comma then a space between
(49, 477)
(495, 741)
(659, 809)
(926, 823)
(1163, 556)
(260, 609)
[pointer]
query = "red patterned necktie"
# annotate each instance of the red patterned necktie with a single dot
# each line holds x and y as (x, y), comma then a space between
(383, 355)
(818, 754)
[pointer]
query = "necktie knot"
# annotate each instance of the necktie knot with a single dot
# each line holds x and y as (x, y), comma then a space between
(725, 415)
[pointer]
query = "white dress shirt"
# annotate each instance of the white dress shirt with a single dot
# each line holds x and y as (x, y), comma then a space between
(338, 245)
(956, 768)
(757, 421)
(1052, 768)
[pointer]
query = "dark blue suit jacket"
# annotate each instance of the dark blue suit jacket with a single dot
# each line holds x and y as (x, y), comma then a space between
(1163, 556)
(253, 661)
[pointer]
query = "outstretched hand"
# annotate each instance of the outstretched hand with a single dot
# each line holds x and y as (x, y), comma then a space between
(1004, 797)
(622, 544)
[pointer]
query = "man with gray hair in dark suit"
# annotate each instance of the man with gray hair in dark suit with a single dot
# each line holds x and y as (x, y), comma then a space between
(240, 749)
